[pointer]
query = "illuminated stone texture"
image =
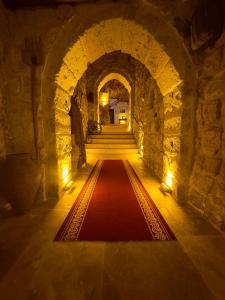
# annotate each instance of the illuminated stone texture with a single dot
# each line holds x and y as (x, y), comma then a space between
(183, 114)
(208, 177)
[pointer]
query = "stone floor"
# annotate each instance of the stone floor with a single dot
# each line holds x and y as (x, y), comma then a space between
(35, 267)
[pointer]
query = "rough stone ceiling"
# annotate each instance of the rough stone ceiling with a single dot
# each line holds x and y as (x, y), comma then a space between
(114, 62)
(169, 8)
(116, 90)
(16, 4)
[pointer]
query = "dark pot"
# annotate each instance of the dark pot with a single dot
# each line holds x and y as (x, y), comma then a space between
(20, 180)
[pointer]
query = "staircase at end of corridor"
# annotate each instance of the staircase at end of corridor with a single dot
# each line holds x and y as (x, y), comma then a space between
(115, 141)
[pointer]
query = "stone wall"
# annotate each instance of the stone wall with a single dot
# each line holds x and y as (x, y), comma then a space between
(207, 185)
(81, 95)
(68, 50)
(172, 118)
(3, 122)
(148, 120)
(2, 129)
(3, 117)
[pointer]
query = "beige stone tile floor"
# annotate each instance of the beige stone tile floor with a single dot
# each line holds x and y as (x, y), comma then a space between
(35, 267)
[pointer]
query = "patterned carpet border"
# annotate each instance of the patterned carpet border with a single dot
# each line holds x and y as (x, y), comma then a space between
(156, 223)
(70, 229)
(71, 226)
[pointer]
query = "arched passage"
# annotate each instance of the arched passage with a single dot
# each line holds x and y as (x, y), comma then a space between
(116, 76)
(148, 39)
(124, 81)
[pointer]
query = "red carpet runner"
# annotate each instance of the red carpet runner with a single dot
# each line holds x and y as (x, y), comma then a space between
(114, 206)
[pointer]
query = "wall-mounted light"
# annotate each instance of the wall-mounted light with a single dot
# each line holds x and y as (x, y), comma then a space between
(68, 185)
(65, 175)
(104, 98)
(122, 121)
(169, 179)
(166, 187)
(141, 151)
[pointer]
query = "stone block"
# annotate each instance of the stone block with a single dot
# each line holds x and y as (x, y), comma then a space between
(198, 163)
(1, 51)
(223, 113)
(214, 213)
(111, 34)
(62, 122)
(221, 176)
(223, 144)
(214, 89)
(168, 79)
(212, 63)
(62, 100)
(172, 125)
(66, 79)
(212, 113)
(76, 59)
(92, 43)
(127, 37)
(182, 193)
(207, 165)
(172, 101)
(202, 183)
(197, 199)
(211, 141)
(2, 143)
(63, 145)
(157, 59)
(218, 194)
(212, 165)
(172, 145)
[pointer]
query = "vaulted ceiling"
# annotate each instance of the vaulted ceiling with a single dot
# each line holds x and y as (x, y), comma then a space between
(116, 90)
(16, 4)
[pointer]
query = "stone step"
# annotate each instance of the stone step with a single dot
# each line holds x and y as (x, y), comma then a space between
(115, 129)
(111, 151)
(111, 141)
(122, 126)
(112, 156)
(111, 146)
(112, 136)
(114, 132)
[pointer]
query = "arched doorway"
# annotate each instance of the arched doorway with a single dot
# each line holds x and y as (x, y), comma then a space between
(164, 57)
(117, 82)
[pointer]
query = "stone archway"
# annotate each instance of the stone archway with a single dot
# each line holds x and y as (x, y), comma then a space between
(124, 81)
(116, 76)
(147, 38)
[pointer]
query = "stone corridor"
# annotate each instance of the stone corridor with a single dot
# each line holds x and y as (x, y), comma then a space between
(35, 267)
(72, 74)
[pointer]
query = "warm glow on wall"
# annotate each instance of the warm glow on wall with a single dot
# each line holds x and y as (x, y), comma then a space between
(169, 179)
(141, 151)
(166, 186)
(104, 98)
(65, 175)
